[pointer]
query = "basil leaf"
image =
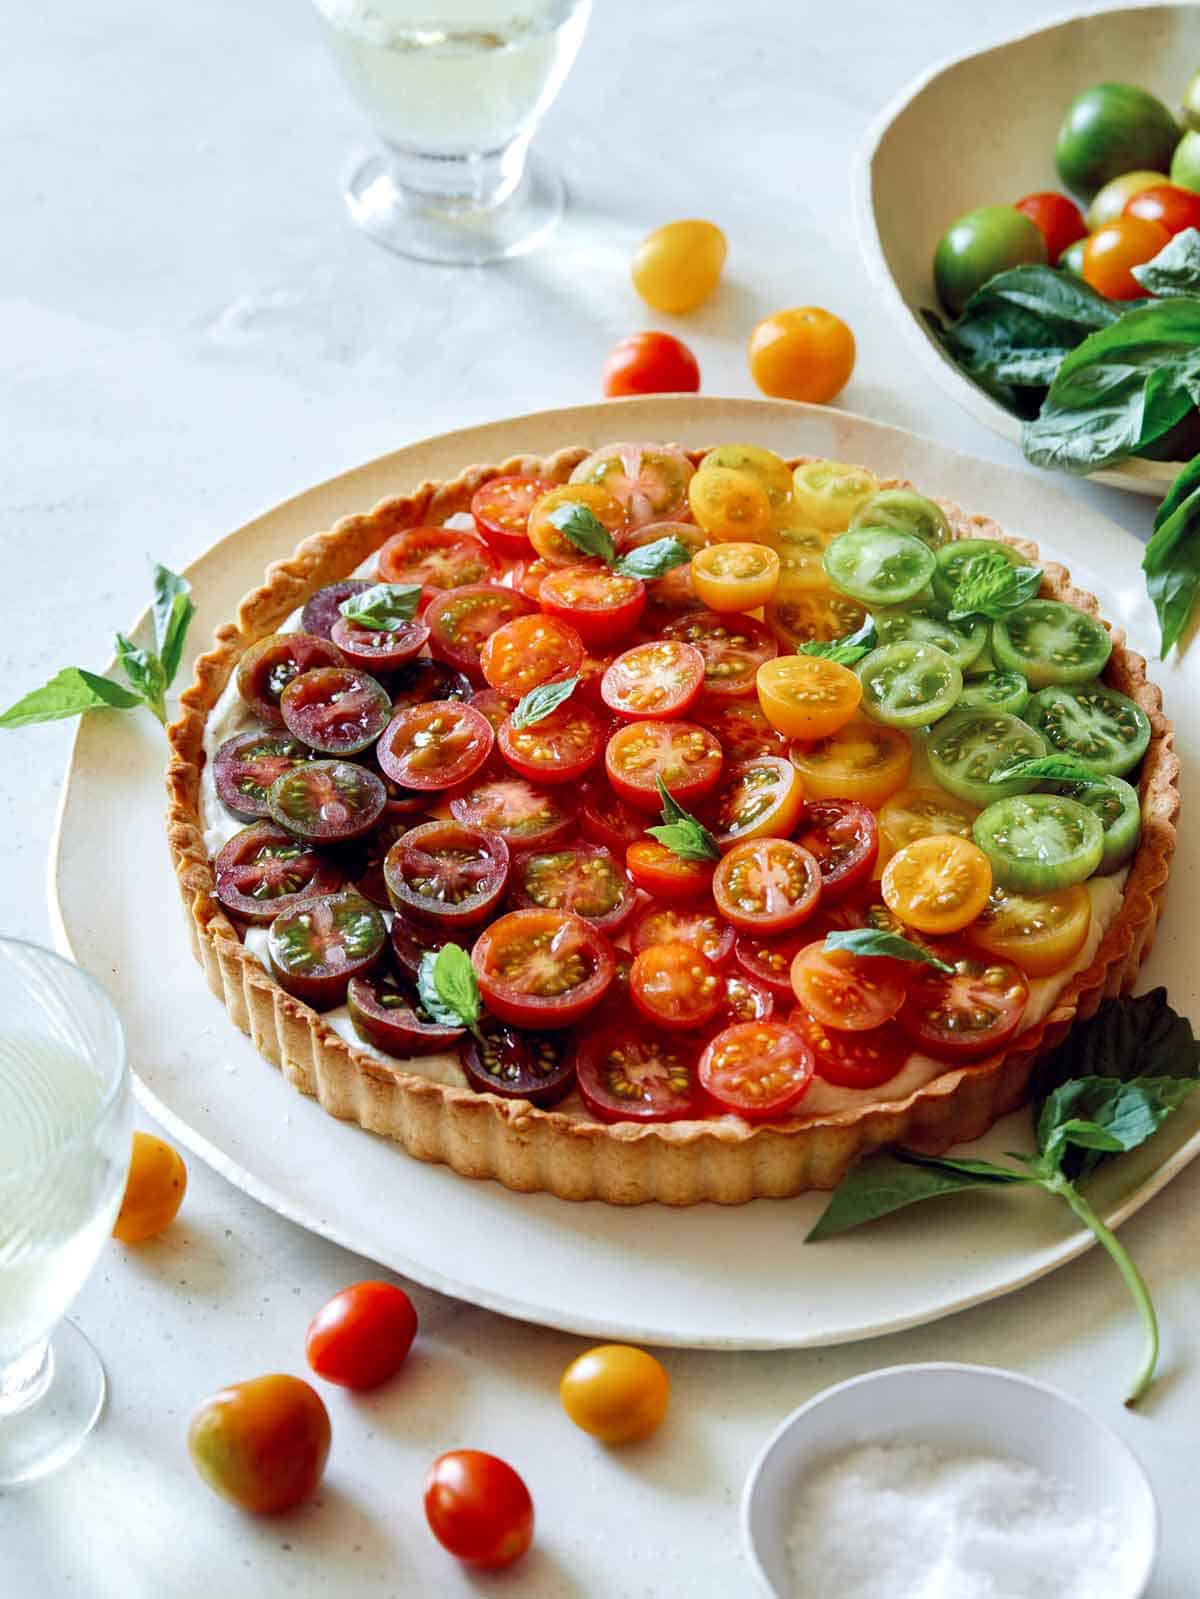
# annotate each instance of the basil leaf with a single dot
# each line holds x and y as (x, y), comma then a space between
(1059, 768)
(584, 529)
(145, 673)
(654, 560)
(173, 613)
(1103, 1115)
(1175, 269)
(69, 693)
(991, 586)
(847, 649)
(987, 1169)
(540, 701)
(873, 941)
(385, 607)
(681, 833)
(882, 1184)
(1171, 560)
(447, 988)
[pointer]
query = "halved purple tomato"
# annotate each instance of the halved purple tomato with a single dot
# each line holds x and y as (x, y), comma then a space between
(445, 874)
(462, 620)
(387, 1012)
(262, 870)
(327, 802)
(524, 814)
(317, 947)
(541, 968)
(435, 746)
(517, 1064)
(631, 1073)
(324, 608)
(584, 879)
(246, 765)
(411, 942)
(437, 558)
(338, 710)
(424, 680)
(269, 666)
(378, 649)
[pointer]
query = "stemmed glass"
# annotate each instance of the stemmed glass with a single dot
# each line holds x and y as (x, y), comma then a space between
(455, 90)
(64, 1155)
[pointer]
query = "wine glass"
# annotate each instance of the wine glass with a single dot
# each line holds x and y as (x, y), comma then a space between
(455, 90)
(64, 1155)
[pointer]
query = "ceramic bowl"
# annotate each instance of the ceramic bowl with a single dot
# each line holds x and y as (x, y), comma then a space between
(981, 130)
(958, 1409)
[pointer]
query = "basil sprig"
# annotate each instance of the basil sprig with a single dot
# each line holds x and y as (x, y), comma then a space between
(846, 650)
(384, 607)
(1106, 1089)
(990, 585)
(868, 941)
(148, 672)
(447, 988)
(681, 833)
(584, 529)
(649, 561)
(540, 701)
(1049, 768)
(1175, 270)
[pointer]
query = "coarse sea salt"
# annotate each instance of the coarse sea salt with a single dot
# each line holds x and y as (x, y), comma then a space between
(906, 1521)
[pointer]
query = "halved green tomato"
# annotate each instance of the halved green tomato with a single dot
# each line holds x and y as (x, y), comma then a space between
(904, 512)
(1049, 642)
(909, 685)
(1093, 723)
(952, 558)
(963, 642)
(877, 566)
(1039, 842)
(996, 691)
(1120, 812)
(316, 948)
(968, 746)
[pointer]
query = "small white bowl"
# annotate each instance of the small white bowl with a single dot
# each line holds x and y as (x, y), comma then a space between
(958, 1409)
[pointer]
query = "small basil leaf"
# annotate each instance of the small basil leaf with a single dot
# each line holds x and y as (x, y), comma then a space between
(69, 693)
(990, 585)
(681, 833)
(846, 650)
(1060, 768)
(173, 613)
(145, 673)
(654, 560)
(1175, 269)
(540, 701)
(584, 529)
(385, 607)
(883, 1184)
(447, 988)
(873, 941)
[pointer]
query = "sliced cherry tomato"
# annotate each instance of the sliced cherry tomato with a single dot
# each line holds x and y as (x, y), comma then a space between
(541, 968)
(969, 1013)
(768, 959)
(246, 765)
(387, 1013)
(607, 820)
(650, 480)
(269, 666)
(733, 650)
(686, 757)
(1110, 254)
(437, 558)
(602, 606)
(630, 1073)
(844, 837)
(376, 649)
(767, 885)
(478, 1508)
(516, 1064)
(262, 870)
(917, 812)
(937, 884)
(657, 870)
(501, 510)
(496, 707)
(323, 608)
(411, 942)
(846, 993)
(756, 799)
(1058, 220)
(446, 874)
(527, 577)
(699, 927)
(861, 761)
(804, 613)
(655, 681)
(529, 651)
(852, 1060)
(423, 680)
(549, 540)
(757, 1070)
(1172, 207)
(327, 802)
(1040, 933)
(591, 674)
(435, 746)
(559, 748)
(742, 729)
(460, 621)
(807, 696)
(317, 946)
(730, 503)
(650, 363)
(747, 1000)
(584, 879)
(362, 1336)
(338, 710)
(735, 576)
(675, 986)
(525, 815)
(363, 862)
(674, 593)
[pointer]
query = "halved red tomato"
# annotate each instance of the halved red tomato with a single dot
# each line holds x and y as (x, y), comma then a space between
(262, 870)
(657, 870)
(501, 510)
(628, 1073)
(675, 986)
(591, 674)
(338, 710)
(524, 814)
(844, 837)
(607, 820)
(446, 874)
(269, 666)
(686, 757)
(559, 748)
(767, 885)
(376, 649)
(460, 621)
(496, 707)
(733, 647)
(655, 681)
(969, 1013)
(246, 765)
(700, 927)
(852, 1060)
(768, 959)
(757, 1070)
(756, 799)
(529, 651)
(650, 480)
(437, 558)
(541, 968)
(527, 576)
(674, 593)
(602, 606)
(747, 1000)
(584, 879)
(435, 746)
(742, 729)
(844, 992)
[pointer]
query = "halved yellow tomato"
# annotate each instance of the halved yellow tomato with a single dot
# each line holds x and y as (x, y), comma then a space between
(729, 504)
(937, 884)
(1040, 933)
(547, 538)
(827, 493)
(800, 612)
(861, 761)
(767, 468)
(735, 576)
(801, 551)
(807, 696)
(917, 812)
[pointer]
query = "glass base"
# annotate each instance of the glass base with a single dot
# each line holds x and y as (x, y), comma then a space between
(455, 233)
(43, 1424)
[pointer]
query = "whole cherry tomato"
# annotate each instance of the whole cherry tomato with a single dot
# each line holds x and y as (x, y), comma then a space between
(262, 1444)
(362, 1336)
(1113, 250)
(478, 1508)
(650, 363)
(1169, 205)
(802, 354)
(616, 1393)
(1059, 220)
(154, 1189)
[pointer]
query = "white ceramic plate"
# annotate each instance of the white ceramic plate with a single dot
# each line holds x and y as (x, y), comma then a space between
(735, 1278)
(980, 130)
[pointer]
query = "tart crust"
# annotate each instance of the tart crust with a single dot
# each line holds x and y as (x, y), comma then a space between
(530, 1150)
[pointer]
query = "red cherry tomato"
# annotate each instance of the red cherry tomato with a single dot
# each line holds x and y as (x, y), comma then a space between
(675, 986)
(654, 681)
(650, 363)
(1058, 220)
(1114, 249)
(845, 993)
(767, 885)
(844, 837)
(742, 728)
(968, 1013)
(437, 558)
(852, 1060)
(559, 748)
(541, 968)
(1167, 204)
(757, 1070)
(501, 510)
(630, 1073)
(524, 814)
(362, 1336)
(478, 1508)
(262, 1444)
(460, 621)
(698, 926)
(768, 959)
(375, 649)
(435, 746)
(686, 757)
(733, 647)
(607, 820)
(657, 870)
(601, 605)
(529, 651)
(747, 1000)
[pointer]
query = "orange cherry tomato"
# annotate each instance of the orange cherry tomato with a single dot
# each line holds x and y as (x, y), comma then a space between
(862, 761)
(154, 1189)
(807, 696)
(478, 1508)
(845, 993)
(1058, 220)
(657, 870)
(735, 576)
(362, 1336)
(1040, 933)
(1114, 249)
(548, 539)
(650, 363)
(528, 651)
(1167, 204)
(616, 1393)
(758, 798)
(675, 986)
(262, 1444)
(937, 884)
(802, 354)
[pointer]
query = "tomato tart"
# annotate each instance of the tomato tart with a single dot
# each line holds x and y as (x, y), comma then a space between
(650, 825)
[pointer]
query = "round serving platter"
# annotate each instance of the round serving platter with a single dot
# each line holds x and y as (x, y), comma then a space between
(707, 1276)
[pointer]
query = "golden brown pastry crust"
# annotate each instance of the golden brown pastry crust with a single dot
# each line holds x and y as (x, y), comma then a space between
(680, 1163)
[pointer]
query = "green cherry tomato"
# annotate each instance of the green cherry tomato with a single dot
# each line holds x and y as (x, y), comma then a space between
(1190, 104)
(1092, 723)
(909, 685)
(963, 642)
(968, 746)
(261, 1444)
(951, 561)
(1185, 164)
(905, 512)
(1110, 201)
(877, 566)
(980, 244)
(996, 691)
(1040, 842)
(1109, 129)
(1120, 812)
(1048, 642)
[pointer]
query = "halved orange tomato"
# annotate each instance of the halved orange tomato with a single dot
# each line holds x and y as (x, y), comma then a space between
(1040, 933)
(807, 696)
(937, 884)
(863, 761)
(735, 576)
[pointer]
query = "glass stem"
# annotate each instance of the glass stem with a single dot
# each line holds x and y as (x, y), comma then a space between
(480, 180)
(24, 1380)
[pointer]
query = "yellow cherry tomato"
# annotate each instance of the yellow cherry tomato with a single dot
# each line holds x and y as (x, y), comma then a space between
(729, 504)
(801, 551)
(861, 761)
(767, 468)
(735, 576)
(802, 354)
(937, 884)
(1040, 933)
(800, 613)
(1109, 202)
(918, 812)
(806, 696)
(827, 493)
(550, 542)
(616, 1393)
(154, 1189)
(678, 266)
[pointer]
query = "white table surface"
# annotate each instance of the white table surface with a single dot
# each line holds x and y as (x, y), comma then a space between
(192, 330)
